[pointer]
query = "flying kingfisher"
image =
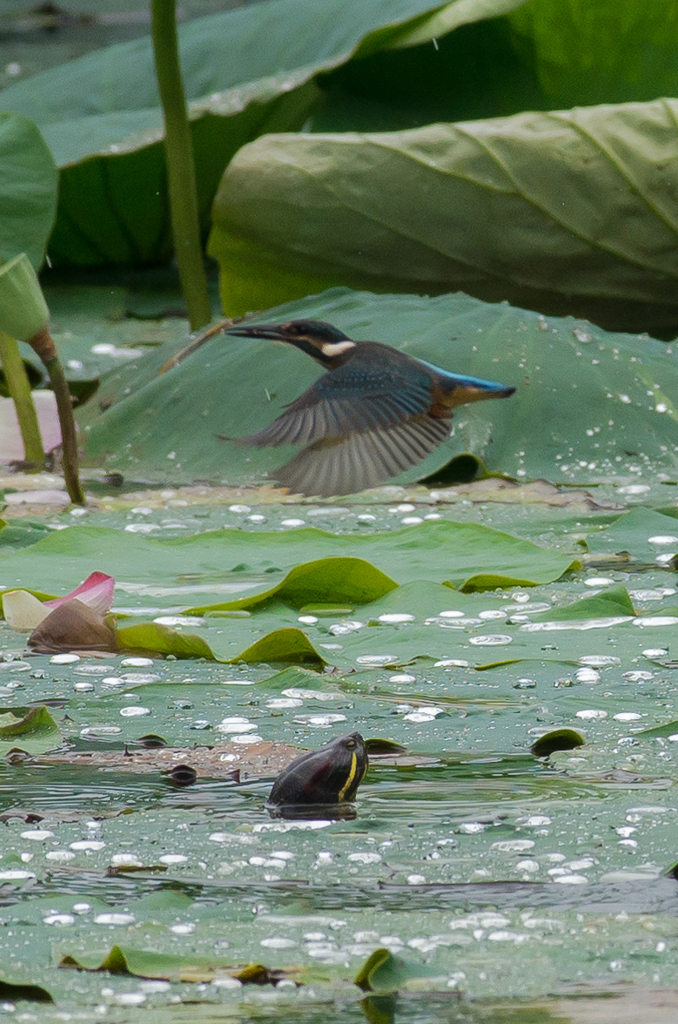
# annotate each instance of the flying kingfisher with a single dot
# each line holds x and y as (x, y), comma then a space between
(375, 413)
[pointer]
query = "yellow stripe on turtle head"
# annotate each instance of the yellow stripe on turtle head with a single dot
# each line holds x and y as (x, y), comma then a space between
(351, 778)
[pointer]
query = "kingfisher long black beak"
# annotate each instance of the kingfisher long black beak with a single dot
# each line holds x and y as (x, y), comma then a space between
(271, 332)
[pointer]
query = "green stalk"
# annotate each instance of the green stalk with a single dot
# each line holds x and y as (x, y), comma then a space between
(43, 344)
(20, 390)
(180, 164)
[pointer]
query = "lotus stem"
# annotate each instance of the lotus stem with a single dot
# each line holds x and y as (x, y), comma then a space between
(43, 344)
(20, 391)
(180, 163)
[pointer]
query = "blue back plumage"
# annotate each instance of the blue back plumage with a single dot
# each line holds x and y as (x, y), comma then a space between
(459, 380)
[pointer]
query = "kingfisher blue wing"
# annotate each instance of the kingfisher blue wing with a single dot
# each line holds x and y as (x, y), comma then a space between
(344, 465)
(376, 413)
(355, 398)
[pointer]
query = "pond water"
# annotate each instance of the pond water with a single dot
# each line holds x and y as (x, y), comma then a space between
(472, 861)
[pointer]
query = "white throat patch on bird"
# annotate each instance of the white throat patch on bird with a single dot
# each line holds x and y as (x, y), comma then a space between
(331, 349)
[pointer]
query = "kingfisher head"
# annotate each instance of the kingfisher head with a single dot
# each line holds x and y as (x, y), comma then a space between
(323, 342)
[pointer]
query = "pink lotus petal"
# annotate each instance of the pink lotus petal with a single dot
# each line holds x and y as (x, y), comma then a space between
(96, 592)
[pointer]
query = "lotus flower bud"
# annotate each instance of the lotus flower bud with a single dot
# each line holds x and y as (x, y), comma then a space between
(23, 310)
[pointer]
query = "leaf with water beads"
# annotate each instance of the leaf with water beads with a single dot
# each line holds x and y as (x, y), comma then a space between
(293, 677)
(445, 551)
(613, 602)
(667, 731)
(644, 533)
(30, 729)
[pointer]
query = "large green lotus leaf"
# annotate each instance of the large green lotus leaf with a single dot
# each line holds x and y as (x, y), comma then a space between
(542, 56)
(227, 50)
(612, 51)
(532, 208)
(483, 69)
(451, 552)
(372, 637)
(590, 406)
(28, 189)
(259, 69)
(247, 72)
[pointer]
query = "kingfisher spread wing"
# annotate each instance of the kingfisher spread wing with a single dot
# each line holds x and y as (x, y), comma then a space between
(376, 413)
